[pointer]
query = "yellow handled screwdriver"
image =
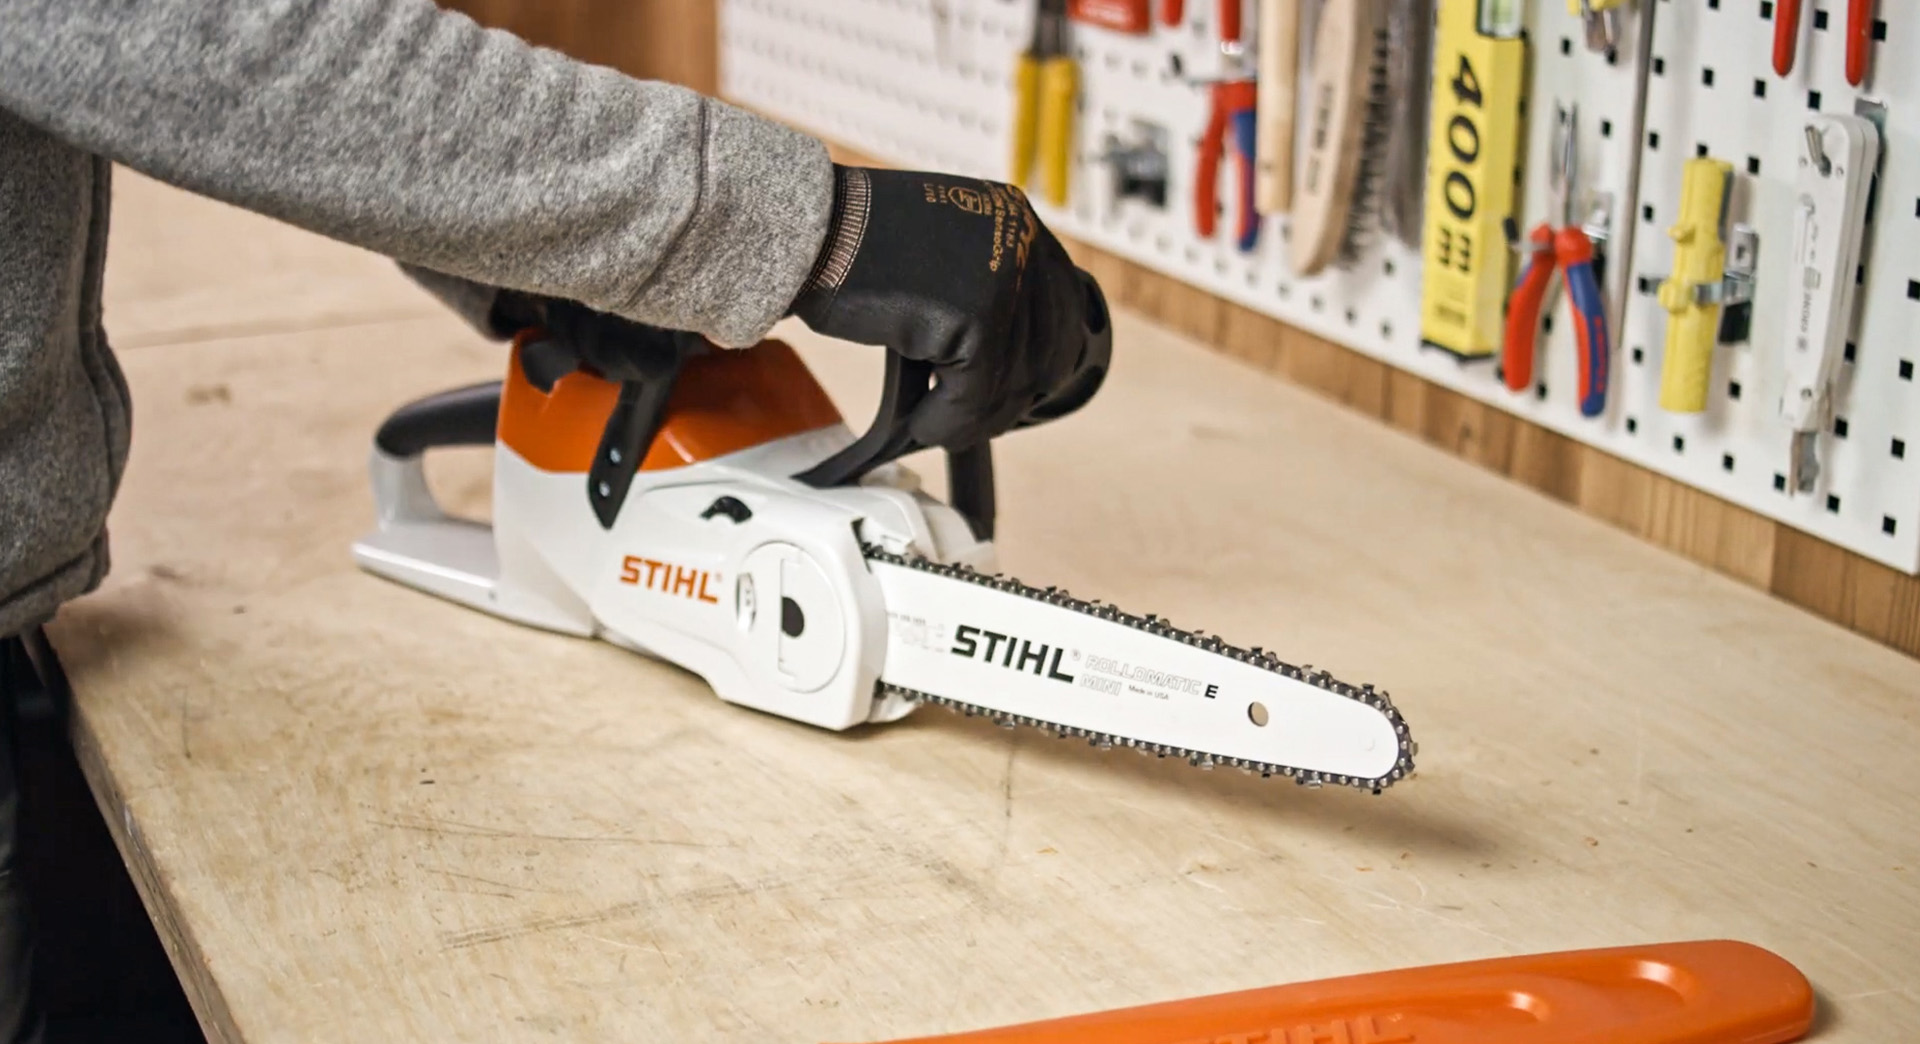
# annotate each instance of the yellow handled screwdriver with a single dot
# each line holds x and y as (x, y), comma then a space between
(1046, 82)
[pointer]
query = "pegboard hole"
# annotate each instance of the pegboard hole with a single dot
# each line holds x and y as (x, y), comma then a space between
(1387, 267)
(1540, 391)
(1646, 214)
(1546, 324)
(1906, 369)
(1679, 443)
(1759, 88)
(1779, 483)
(1353, 317)
(1819, 19)
(1753, 165)
(1840, 427)
(1639, 355)
(1913, 290)
(1606, 128)
(1813, 100)
(1733, 389)
(1386, 331)
(1833, 503)
(1566, 46)
(1700, 148)
(1899, 449)
(1726, 462)
(1706, 77)
(1653, 140)
(1766, 10)
(1633, 426)
(1888, 525)
(1659, 66)
(1319, 303)
(1850, 351)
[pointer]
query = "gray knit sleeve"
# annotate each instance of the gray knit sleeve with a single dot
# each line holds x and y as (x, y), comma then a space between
(411, 131)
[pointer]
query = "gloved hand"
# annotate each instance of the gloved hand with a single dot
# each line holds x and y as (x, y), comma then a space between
(615, 348)
(961, 274)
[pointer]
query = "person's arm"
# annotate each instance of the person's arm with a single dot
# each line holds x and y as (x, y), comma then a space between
(477, 303)
(413, 132)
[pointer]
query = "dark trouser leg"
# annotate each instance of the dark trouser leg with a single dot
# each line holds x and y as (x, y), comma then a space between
(21, 1021)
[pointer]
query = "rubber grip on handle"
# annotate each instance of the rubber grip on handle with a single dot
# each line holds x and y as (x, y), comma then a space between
(1786, 35)
(1172, 12)
(1026, 118)
(1575, 253)
(1229, 21)
(1059, 84)
(1688, 367)
(1523, 311)
(1206, 191)
(1859, 39)
(1245, 132)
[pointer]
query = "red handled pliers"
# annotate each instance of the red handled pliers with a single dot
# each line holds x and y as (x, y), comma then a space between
(1786, 37)
(1233, 108)
(1569, 249)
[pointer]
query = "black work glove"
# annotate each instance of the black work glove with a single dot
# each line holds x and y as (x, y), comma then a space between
(961, 274)
(574, 335)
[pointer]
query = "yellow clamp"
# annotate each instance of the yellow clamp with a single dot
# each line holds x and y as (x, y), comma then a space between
(1691, 294)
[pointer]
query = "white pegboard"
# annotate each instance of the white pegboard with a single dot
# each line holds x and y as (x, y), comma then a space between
(883, 77)
(1713, 87)
(926, 82)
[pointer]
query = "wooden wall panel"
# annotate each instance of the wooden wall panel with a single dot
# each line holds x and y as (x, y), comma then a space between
(676, 40)
(673, 40)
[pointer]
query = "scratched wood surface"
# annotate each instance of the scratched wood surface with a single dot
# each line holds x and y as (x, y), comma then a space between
(359, 813)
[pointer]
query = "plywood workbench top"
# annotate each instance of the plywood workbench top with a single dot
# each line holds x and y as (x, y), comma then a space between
(362, 814)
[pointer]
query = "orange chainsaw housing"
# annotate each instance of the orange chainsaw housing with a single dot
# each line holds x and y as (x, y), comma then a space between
(723, 402)
(1714, 992)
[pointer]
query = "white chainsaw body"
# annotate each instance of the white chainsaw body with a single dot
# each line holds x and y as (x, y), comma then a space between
(673, 578)
(724, 518)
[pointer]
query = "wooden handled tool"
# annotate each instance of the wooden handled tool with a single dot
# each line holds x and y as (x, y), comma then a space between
(1279, 81)
(1344, 69)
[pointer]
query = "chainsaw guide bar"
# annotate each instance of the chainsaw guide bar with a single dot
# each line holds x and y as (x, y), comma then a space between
(1257, 657)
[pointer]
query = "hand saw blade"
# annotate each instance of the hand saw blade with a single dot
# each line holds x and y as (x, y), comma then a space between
(992, 646)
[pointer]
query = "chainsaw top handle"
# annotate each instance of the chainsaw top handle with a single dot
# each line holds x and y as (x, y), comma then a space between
(646, 363)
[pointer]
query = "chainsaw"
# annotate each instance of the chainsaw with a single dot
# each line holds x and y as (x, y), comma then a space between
(717, 512)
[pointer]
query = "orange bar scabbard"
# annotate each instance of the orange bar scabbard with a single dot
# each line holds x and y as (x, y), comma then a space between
(1714, 992)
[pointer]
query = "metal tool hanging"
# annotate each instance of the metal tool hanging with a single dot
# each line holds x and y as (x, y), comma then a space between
(1834, 180)
(1046, 83)
(1567, 249)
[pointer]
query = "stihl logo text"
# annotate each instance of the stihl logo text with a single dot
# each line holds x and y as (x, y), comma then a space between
(1364, 1030)
(667, 578)
(1005, 650)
